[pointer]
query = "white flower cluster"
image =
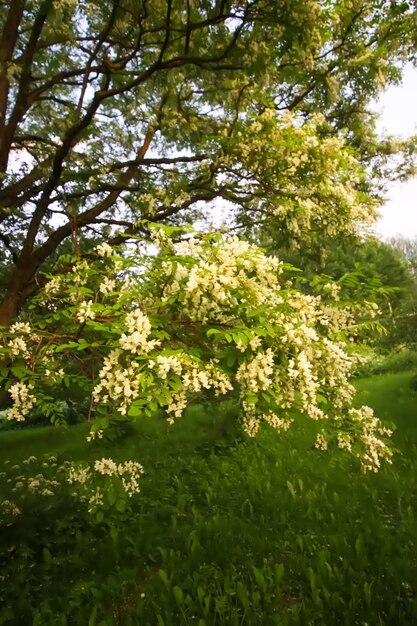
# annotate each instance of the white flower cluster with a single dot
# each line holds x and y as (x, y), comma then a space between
(136, 339)
(117, 383)
(276, 422)
(128, 473)
(176, 406)
(321, 442)
(366, 430)
(208, 377)
(256, 374)
(222, 280)
(54, 375)
(19, 347)
(53, 287)
(85, 311)
(95, 500)
(39, 484)
(22, 328)
(107, 286)
(166, 364)
(195, 378)
(252, 421)
(160, 238)
(78, 474)
(23, 401)
(370, 433)
(22, 333)
(106, 467)
(288, 358)
(95, 434)
(104, 250)
(316, 183)
(122, 378)
(333, 289)
(9, 508)
(344, 441)
(42, 486)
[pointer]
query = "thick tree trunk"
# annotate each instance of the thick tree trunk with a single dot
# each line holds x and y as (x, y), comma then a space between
(20, 288)
(9, 308)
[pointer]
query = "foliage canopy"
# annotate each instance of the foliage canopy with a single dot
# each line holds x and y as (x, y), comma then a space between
(115, 112)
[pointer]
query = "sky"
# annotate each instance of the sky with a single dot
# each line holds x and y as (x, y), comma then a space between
(398, 109)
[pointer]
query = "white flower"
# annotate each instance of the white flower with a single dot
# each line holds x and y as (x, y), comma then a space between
(53, 286)
(107, 286)
(20, 327)
(85, 311)
(23, 401)
(97, 434)
(106, 467)
(167, 364)
(10, 508)
(256, 374)
(96, 500)
(19, 347)
(321, 442)
(104, 250)
(78, 475)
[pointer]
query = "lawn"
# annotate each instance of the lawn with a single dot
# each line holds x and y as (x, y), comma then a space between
(226, 531)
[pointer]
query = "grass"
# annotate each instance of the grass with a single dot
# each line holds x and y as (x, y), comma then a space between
(225, 531)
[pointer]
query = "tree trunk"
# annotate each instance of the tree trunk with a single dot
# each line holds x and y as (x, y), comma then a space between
(9, 307)
(20, 287)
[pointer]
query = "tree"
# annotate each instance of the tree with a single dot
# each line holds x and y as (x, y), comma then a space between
(406, 249)
(405, 324)
(112, 113)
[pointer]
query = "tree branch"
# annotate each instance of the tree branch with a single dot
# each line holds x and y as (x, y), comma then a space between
(22, 100)
(88, 216)
(7, 45)
(102, 38)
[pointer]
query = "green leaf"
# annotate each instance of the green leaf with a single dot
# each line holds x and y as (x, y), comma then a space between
(135, 410)
(46, 556)
(259, 577)
(111, 494)
(163, 576)
(243, 596)
(231, 358)
(214, 331)
(178, 594)
(291, 489)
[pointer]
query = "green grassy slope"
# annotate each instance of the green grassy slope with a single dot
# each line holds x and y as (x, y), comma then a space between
(260, 532)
